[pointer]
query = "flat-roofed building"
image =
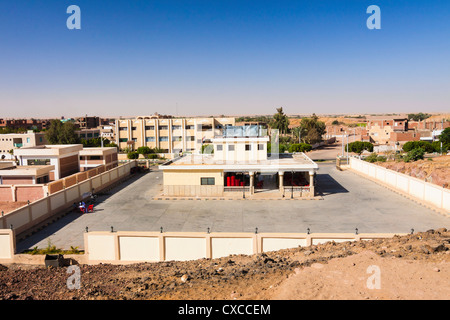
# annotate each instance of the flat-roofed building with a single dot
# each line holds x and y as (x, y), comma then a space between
(39, 174)
(65, 158)
(11, 141)
(171, 135)
(94, 157)
(239, 163)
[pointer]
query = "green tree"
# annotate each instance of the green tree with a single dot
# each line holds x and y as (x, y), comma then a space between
(311, 130)
(418, 116)
(425, 145)
(414, 155)
(62, 133)
(280, 121)
(445, 136)
(359, 146)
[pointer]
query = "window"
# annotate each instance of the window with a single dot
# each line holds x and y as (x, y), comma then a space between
(163, 138)
(207, 181)
(219, 147)
(28, 140)
(150, 139)
(163, 128)
(190, 138)
(123, 129)
(190, 127)
(260, 146)
(231, 148)
(179, 138)
(38, 162)
(149, 127)
(133, 128)
(248, 147)
(176, 127)
(123, 139)
(95, 158)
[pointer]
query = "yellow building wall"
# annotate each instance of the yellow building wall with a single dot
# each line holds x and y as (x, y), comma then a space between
(191, 177)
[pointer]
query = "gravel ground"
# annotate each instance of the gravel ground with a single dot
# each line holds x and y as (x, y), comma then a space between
(273, 275)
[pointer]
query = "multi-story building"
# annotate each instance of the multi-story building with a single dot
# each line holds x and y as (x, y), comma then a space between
(171, 135)
(380, 129)
(11, 141)
(26, 124)
(65, 158)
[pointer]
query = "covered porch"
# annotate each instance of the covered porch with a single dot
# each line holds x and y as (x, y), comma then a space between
(299, 183)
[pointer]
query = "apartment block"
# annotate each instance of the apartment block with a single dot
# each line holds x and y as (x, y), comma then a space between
(172, 135)
(11, 141)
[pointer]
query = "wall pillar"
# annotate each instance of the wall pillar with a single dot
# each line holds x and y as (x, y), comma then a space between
(281, 180)
(311, 183)
(252, 182)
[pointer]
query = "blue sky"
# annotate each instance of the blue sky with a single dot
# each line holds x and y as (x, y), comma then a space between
(223, 57)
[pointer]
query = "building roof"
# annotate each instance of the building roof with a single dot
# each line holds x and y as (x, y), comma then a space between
(27, 170)
(48, 150)
(285, 162)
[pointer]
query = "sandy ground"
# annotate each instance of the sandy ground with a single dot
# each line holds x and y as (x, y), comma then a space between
(414, 266)
(368, 276)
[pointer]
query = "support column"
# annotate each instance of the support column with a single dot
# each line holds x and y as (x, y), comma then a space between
(281, 176)
(252, 182)
(311, 183)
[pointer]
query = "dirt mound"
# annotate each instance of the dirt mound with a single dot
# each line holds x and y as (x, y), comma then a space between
(435, 171)
(262, 276)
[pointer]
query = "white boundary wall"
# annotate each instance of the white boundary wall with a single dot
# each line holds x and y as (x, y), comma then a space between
(133, 246)
(30, 215)
(424, 191)
(7, 245)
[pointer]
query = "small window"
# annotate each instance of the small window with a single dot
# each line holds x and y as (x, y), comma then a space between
(260, 146)
(123, 139)
(219, 147)
(150, 139)
(248, 147)
(207, 181)
(149, 127)
(231, 148)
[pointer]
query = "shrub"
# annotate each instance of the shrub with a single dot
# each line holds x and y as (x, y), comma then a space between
(133, 155)
(151, 156)
(371, 158)
(144, 150)
(414, 155)
(300, 147)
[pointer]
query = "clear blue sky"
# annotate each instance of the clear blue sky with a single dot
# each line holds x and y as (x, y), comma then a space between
(223, 57)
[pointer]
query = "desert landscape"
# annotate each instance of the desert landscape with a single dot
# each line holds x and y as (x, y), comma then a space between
(415, 266)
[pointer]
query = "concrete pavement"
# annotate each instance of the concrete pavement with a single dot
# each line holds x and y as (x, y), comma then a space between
(349, 202)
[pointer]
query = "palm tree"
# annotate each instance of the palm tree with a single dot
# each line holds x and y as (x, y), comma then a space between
(280, 121)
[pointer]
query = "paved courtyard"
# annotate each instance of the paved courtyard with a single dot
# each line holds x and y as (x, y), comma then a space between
(349, 202)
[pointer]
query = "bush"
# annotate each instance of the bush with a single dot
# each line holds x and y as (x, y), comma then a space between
(133, 155)
(299, 147)
(414, 155)
(372, 158)
(151, 156)
(381, 159)
(425, 145)
(144, 150)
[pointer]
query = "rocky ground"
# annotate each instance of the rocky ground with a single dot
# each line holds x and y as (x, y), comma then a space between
(436, 170)
(415, 266)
